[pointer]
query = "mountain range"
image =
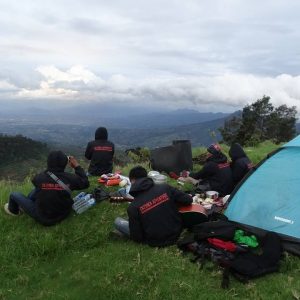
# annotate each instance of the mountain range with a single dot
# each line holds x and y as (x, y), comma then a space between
(128, 126)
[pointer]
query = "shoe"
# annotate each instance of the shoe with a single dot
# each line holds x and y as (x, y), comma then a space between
(116, 235)
(6, 209)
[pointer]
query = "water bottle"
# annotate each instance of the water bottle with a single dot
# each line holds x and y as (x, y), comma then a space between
(84, 203)
(79, 196)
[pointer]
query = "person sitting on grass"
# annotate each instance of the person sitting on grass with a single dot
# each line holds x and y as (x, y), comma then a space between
(100, 152)
(153, 215)
(240, 163)
(216, 174)
(50, 201)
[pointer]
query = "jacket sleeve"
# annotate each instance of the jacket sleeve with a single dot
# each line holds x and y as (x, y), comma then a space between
(113, 149)
(34, 181)
(207, 170)
(135, 225)
(239, 170)
(88, 151)
(79, 181)
(180, 197)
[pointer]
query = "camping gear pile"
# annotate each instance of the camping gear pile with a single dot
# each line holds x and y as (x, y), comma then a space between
(110, 179)
(230, 249)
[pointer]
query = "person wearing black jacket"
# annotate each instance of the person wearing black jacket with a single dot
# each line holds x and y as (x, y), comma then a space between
(49, 203)
(240, 163)
(100, 152)
(216, 174)
(154, 218)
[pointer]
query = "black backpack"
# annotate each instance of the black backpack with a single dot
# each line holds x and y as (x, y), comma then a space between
(221, 229)
(251, 265)
(242, 264)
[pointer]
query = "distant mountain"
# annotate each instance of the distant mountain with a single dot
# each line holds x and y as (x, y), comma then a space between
(112, 115)
(167, 119)
(201, 133)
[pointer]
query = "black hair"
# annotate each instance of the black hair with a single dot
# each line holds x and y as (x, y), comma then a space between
(137, 172)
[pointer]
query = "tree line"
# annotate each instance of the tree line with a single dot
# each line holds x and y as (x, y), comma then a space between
(19, 148)
(261, 121)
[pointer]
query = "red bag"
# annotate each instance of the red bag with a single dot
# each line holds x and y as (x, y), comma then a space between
(228, 246)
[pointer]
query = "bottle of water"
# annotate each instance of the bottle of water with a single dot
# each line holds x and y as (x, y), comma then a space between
(79, 196)
(83, 203)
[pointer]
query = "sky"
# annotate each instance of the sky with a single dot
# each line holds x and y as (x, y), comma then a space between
(205, 55)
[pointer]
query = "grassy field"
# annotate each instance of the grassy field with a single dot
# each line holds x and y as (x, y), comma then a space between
(77, 260)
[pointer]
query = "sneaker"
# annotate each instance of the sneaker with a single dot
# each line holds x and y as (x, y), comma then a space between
(116, 235)
(6, 209)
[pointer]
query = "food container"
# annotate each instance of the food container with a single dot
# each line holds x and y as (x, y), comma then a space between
(160, 179)
(212, 195)
(152, 174)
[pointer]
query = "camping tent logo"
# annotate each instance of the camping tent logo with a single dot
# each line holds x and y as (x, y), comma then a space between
(283, 220)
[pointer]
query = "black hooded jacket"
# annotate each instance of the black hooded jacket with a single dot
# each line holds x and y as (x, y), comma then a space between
(240, 164)
(100, 152)
(216, 171)
(53, 203)
(153, 215)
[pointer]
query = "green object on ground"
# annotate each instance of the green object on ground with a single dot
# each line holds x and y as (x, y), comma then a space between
(241, 238)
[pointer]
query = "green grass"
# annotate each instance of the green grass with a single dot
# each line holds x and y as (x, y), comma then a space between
(77, 260)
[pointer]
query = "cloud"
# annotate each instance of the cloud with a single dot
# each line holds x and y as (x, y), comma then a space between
(7, 89)
(199, 54)
(226, 92)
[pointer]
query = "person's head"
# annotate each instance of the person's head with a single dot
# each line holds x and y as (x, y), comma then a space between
(136, 173)
(57, 161)
(101, 133)
(214, 149)
(236, 151)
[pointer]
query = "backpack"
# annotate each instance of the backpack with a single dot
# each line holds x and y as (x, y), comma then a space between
(242, 263)
(218, 229)
(251, 265)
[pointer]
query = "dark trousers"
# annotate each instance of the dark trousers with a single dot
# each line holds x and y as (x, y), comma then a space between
(27, 204)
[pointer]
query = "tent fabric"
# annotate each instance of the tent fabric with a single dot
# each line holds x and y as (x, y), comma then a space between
(269, 198)
(293, 143)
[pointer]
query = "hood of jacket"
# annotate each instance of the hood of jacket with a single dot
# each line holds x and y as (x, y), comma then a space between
(236, 151)
(57, 161)
(101, 134)
(140, 185)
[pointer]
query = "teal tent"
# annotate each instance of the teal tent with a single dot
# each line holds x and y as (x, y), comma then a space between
(268, 199)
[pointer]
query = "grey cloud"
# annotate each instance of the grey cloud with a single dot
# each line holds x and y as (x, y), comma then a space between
(193, 44)
(88, 26)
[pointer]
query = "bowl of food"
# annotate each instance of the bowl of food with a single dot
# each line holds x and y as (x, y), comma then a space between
(160, 179)
(152, 174)
(212, 195)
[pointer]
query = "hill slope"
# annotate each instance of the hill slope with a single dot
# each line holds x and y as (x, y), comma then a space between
(18, 155)
(77, 260)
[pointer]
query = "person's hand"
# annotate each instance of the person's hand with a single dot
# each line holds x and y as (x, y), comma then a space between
(73, 163)
(189, 180)
(183, 179)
